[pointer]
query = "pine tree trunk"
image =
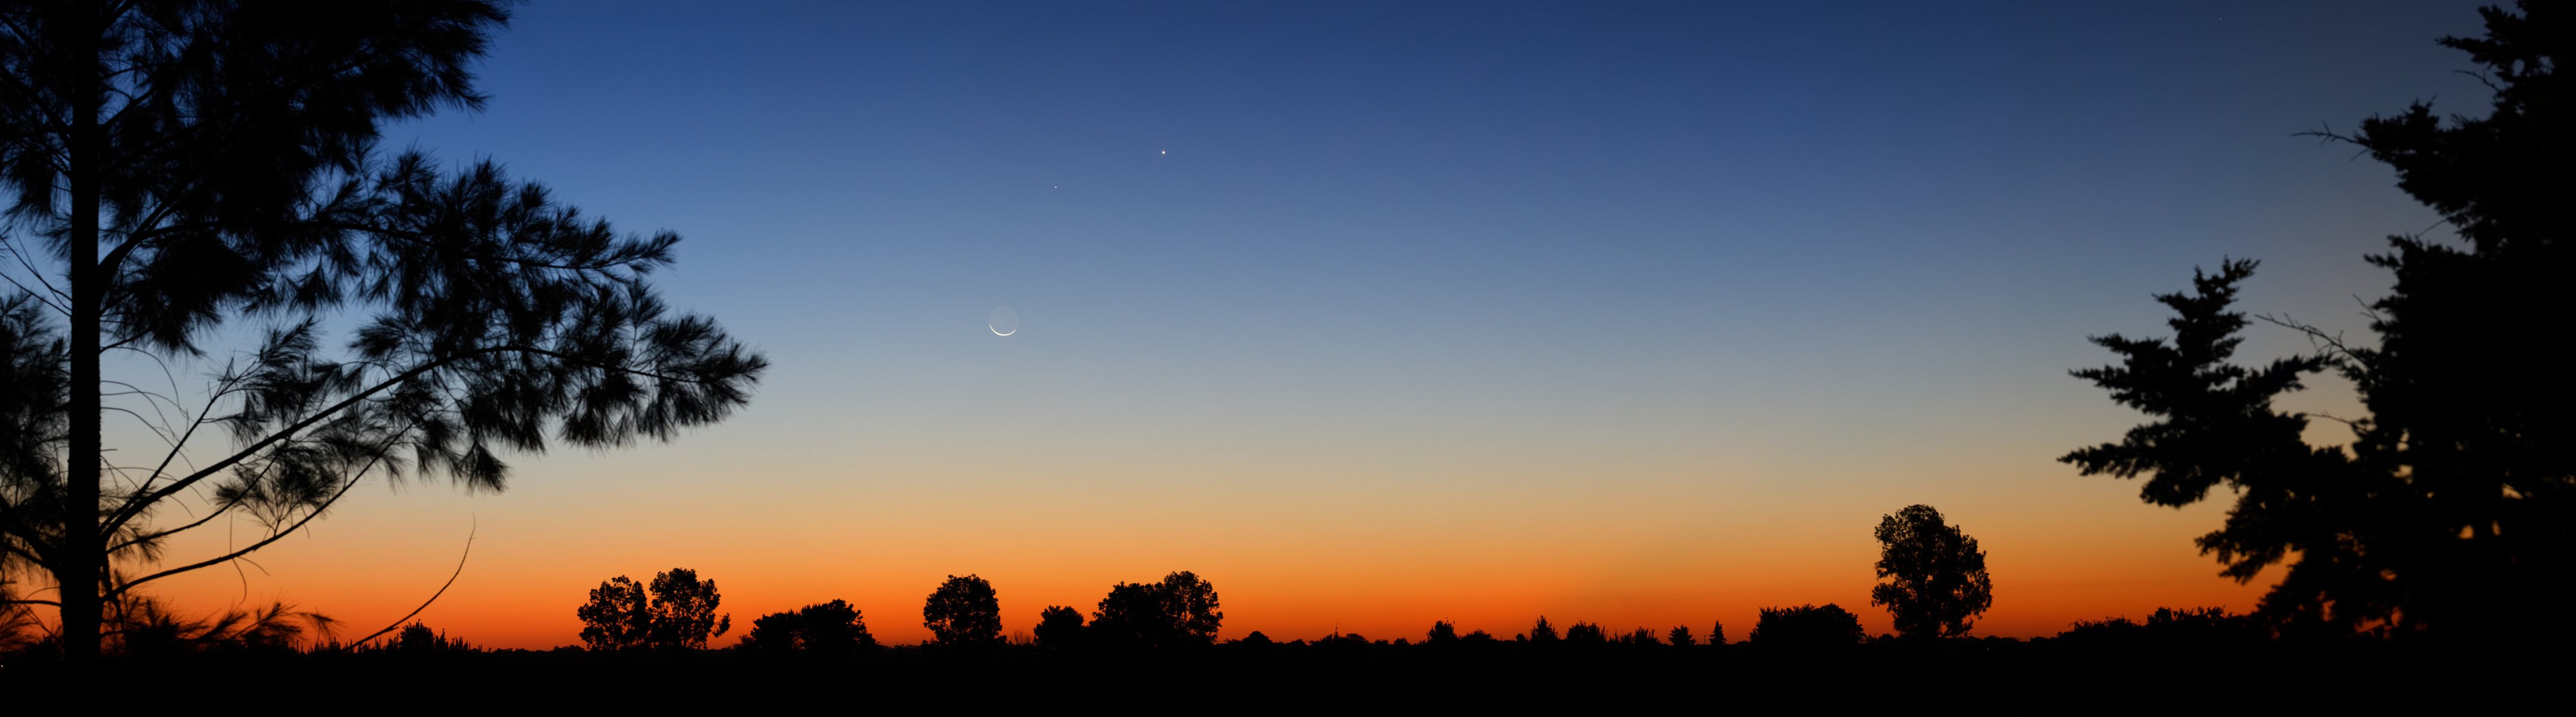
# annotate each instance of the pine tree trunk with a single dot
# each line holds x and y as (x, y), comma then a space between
(77, 571)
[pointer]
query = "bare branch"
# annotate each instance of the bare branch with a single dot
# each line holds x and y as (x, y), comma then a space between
(317, 511)
(433, 597)
(2316, 336)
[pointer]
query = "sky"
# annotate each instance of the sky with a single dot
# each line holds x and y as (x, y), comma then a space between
(1375, 314)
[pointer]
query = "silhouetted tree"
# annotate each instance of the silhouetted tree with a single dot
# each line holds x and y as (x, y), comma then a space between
(180, 164)
(964, 613)
(618, 615)
(1640, 636)
(1441, 633)
(2444, 514)
(1342, 643)
(1059, 628)
(2103, 633)
(684, 610)
(1584, 633)
(1180, 610)
(680, 614)
(417, 638)
(1196, 602)
(832, 628)
(1542, 632)
(1132, 615)
(1808, 628)
(1936, 576)
(2206, 625)
(1717, 633)
(2196, 629)
(1680, 636)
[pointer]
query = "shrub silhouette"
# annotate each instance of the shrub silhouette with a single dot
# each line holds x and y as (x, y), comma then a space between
(417, 638)
(1542, 632)
(1584, 633)
(1059, 628)
(1808, 629)
(147, 628)
(832, 628)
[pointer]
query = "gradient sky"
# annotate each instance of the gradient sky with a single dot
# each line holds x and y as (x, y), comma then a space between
(1380, 313)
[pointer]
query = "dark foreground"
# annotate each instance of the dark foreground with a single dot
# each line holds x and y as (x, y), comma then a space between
(1949, 676)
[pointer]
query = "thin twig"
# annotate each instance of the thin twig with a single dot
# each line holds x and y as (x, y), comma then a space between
(433, 597)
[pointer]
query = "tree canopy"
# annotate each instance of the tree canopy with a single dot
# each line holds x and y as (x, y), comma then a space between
(1807, 628)
(2450, 511)
(679, 615)
(1059, 628)
(1936, 580)
(1181, 610)
(832, 628)
(963, 612)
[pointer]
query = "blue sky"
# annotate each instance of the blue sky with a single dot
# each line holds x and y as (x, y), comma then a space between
(1323, 207)
(1325, 265)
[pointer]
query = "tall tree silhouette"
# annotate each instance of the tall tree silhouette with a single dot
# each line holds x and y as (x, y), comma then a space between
(1936, 576)
(187, 170)
(2454, 508)
(964, 613)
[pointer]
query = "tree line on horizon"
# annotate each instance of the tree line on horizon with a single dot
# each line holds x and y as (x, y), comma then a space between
(1933, 582)
(1934, 585)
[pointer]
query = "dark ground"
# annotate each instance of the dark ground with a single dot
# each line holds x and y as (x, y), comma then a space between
(1947, 677)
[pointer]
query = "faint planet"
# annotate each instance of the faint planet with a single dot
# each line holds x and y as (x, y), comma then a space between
(1004, 322)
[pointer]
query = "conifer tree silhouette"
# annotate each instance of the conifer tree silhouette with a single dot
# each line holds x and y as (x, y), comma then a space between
(2449, 511)
(182, 171)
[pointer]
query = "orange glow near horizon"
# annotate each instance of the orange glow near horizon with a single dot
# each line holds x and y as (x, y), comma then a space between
(1291, 561)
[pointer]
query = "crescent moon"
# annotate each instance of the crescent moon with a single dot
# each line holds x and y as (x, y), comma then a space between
(1003, 322)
